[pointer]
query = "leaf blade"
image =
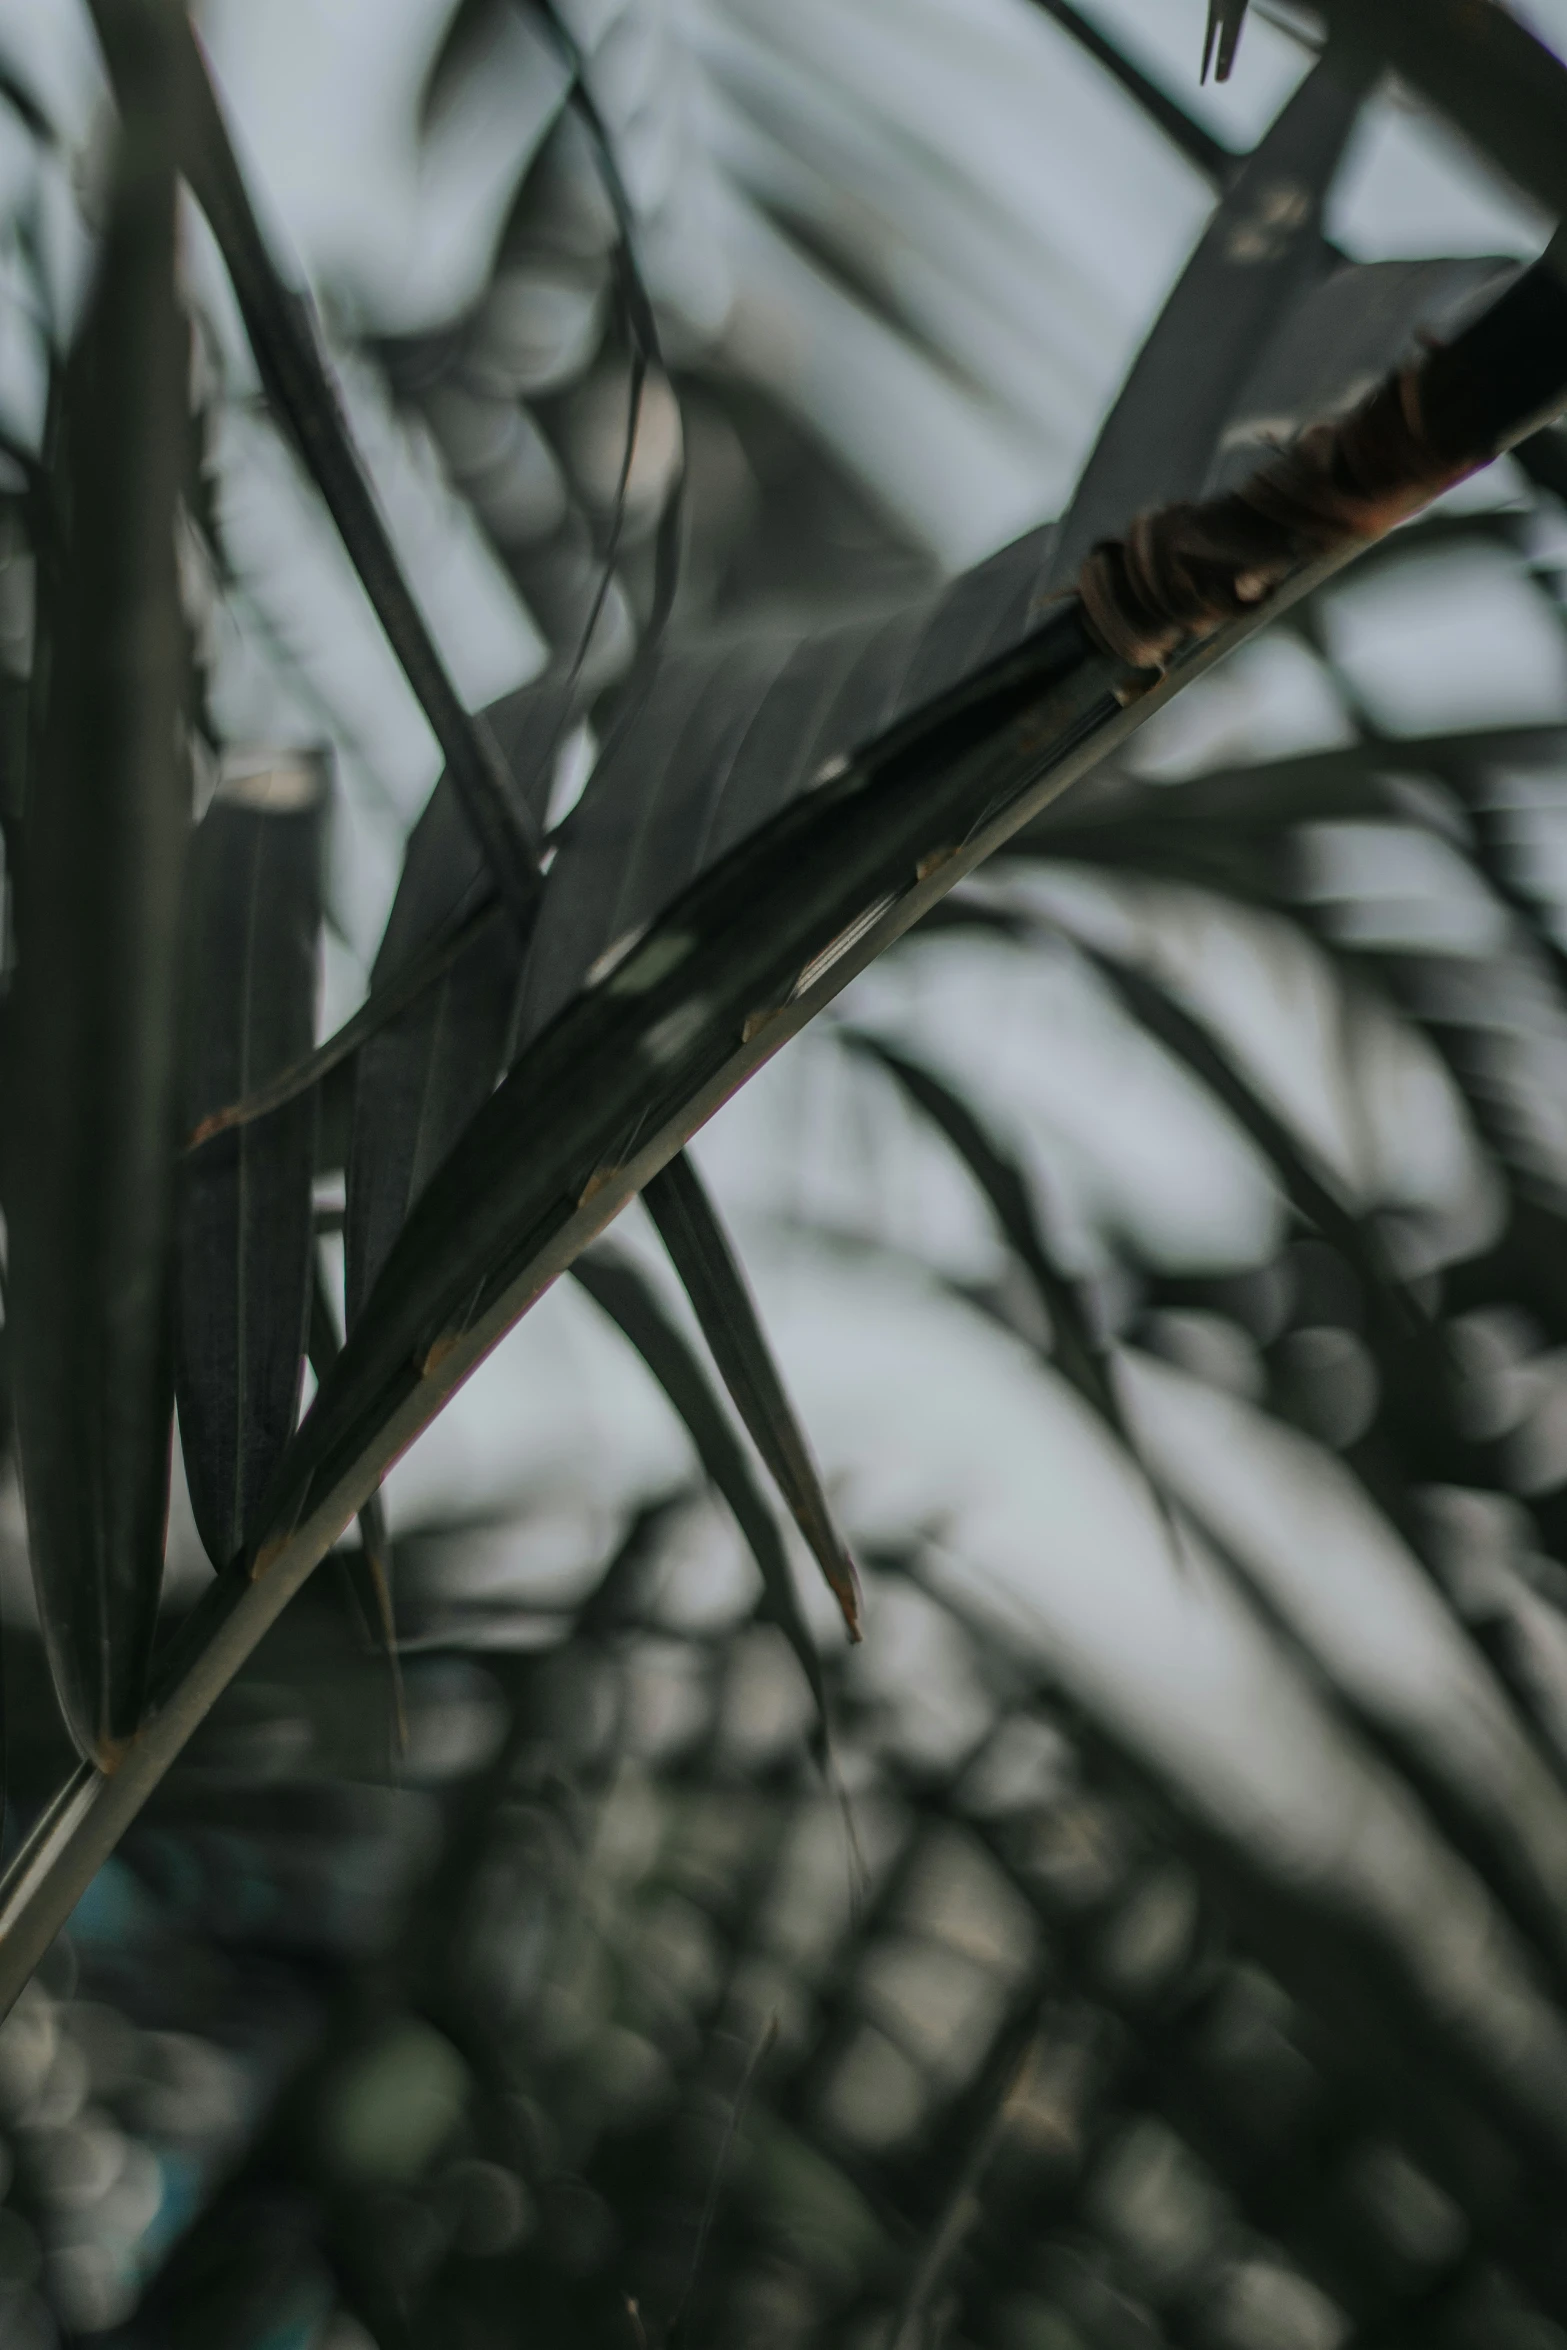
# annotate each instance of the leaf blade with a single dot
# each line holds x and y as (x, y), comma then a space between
(243, 1244)
(1002, 1183)
(1260, 254)
(621, 1291)
(425, 1071)
(98, 908)
(711, 1275)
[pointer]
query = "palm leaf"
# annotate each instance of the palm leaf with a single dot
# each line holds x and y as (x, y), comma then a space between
(1486, 72)
(294, 375)
(1251, 336)
(99, 921)
(1221, 37)
(1011, 1203)
(613, 1085)
(1411, 1356)
(623, 1292)
(244, 1217)
(701, 1253)
(1216, 162)
(1261, 253)
(676, 1020)
(422, 1074)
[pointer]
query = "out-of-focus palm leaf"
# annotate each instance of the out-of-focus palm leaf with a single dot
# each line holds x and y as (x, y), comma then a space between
(621, 1291)
(1307, 1188)
(714, 1281)
(1006, 1189)
(647, 357)
(1411, 1354)
(93, 1140)
(244, 1216)
(283, 338)
(1215, 161)
(1261, 253)
(916, 2323)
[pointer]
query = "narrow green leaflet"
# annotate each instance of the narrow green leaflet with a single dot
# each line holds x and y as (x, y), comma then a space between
(91, 1173)
(1002, 1181)
(713, 1279)
(669, 1025)
(422, 1076)
(244, 1246)
(1305, 1187)
(641, 327)
(424, 1070)
(1410, 1355)
(622, 1292)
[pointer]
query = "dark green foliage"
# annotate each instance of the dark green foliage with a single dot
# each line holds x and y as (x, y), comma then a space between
(244, 1218)
(1091, 2059)
(1010, 1200)
(1221, 37)
(627, 1297)
(423, 1074)
(287, 352)
(663, 1021)
(91, 1148)
(1484, 70)
(1260, 256)
(700, 1251)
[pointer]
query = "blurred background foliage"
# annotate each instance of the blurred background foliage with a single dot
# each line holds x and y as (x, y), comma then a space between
(1164, 1244)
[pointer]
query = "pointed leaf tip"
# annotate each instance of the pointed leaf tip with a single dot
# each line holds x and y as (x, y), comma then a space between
(621, 1290)
(1222, 33)
(710, 1273)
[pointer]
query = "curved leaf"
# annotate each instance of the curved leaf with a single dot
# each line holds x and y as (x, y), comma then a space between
(1076, 1354)
(743, 959)
(711, 1275)
(715, 742)
(622, 1291)
(423, 1074)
